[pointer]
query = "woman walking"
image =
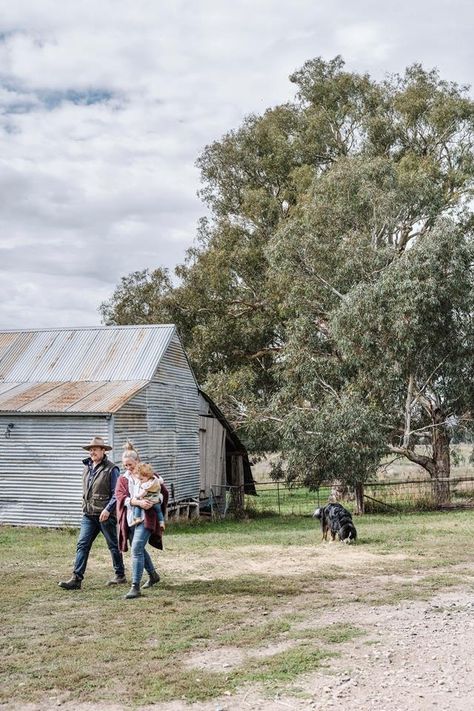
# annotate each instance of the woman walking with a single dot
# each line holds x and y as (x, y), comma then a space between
(138, 535)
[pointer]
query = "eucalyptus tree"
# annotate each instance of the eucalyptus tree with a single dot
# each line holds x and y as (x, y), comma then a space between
(305, 297)
(378, 291)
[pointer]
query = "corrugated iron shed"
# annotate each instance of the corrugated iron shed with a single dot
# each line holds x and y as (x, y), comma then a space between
(59, 387)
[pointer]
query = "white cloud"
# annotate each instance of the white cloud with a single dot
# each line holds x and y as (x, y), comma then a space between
(363, 41)
(105, 106)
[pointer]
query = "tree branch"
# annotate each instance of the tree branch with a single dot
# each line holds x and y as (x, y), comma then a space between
(420, 459)
(259, 354)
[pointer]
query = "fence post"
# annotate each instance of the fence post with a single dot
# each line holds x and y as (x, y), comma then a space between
(278, 497)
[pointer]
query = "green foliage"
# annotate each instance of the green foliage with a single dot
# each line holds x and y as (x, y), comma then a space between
(141, 297)
(327, 305)
(415, 317)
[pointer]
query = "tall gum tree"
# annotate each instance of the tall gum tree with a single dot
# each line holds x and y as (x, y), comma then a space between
(367, 225)
(315, 204)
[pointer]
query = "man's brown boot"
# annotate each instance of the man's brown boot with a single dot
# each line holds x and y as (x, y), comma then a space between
(74, 583)
(118, 580)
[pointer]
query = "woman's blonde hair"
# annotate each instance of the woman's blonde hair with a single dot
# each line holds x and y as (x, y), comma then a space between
(129, 452)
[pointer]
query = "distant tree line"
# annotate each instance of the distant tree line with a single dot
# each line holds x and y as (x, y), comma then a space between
(327, 306)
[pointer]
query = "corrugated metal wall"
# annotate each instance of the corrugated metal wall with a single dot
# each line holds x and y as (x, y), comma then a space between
(162, 421)
(41, 467)
(173, 421)
(131, 423)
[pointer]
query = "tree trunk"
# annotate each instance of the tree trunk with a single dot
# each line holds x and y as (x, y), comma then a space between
(441, 461)
(438, 465)
(237, 486)
(359, 497)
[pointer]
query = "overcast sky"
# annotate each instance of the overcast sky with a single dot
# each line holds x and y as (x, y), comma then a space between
(106, 104)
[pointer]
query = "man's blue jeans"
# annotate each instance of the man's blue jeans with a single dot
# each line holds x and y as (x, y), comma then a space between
(90, 529)
(139, 537)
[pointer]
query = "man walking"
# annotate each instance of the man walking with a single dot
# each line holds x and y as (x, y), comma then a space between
(98, 504)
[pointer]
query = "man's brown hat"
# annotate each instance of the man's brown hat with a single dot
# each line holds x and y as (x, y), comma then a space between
(97, 442)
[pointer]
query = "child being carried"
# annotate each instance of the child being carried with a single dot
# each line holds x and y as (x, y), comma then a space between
(150, 489)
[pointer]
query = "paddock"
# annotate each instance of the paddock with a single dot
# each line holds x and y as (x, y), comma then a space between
(259, 614)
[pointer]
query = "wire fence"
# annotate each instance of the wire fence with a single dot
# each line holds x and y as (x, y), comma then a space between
(419, 494)
(223, 500)
(278, 498)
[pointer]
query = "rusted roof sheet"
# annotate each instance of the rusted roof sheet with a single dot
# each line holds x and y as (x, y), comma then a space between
(106, 353)
(7, 338)
(79, 397)
(110, 397)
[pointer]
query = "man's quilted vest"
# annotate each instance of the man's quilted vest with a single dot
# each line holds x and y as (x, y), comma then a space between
(96, 494)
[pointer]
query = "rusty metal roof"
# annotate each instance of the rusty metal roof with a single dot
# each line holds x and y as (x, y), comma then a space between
(79, 370)
(88, 354)
(79, 397)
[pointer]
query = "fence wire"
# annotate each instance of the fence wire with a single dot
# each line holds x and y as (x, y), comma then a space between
(383, 496)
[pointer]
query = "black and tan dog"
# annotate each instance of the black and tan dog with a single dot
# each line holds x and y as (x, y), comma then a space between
(338, 521)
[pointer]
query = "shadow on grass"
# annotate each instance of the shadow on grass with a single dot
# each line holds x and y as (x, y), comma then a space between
(253, 585)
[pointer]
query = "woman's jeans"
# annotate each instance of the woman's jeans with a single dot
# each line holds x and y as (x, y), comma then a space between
(138, 537)
(90, 529)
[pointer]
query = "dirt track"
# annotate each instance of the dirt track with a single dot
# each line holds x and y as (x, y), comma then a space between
(417, 655)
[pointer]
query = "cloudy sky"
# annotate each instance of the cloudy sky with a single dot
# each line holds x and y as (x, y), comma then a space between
(106, 104)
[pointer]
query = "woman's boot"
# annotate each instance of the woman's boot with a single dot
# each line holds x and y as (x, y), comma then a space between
(152, 580)
(133, 592)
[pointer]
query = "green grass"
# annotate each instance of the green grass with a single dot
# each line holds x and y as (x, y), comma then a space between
(91, 643)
